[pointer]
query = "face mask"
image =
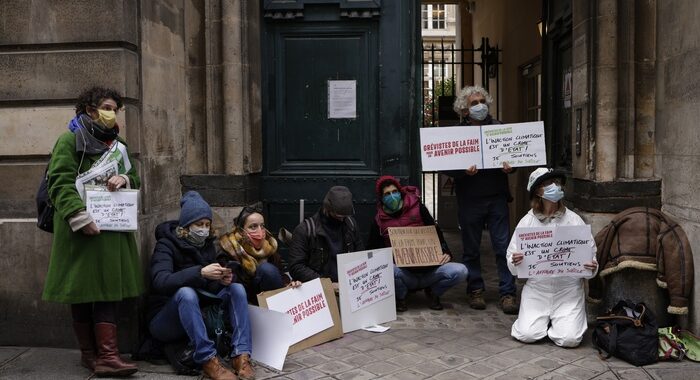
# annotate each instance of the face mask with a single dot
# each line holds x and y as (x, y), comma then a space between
(197, 235)
(479, 111)
(553, 193)
(256, 237)
(392, 201)
(107, 118)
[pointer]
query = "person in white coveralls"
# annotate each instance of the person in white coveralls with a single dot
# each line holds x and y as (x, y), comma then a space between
(551, 306)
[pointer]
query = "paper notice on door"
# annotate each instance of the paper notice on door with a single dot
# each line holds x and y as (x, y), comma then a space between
(342, 99)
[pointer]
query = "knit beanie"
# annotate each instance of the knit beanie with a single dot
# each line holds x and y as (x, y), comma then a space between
(339, 200)
(194, 208)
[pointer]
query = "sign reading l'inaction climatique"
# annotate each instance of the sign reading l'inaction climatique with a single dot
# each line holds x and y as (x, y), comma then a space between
(112, 210)
(487, 146)
(558, 251)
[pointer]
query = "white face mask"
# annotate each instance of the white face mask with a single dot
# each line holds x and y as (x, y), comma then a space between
(553, 193)
(479, 111)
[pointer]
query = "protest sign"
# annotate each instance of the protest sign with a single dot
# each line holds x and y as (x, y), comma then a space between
(304, 323)
(519, 144)
(112, 210)
(487, 146)
(271, 332)
(558, 251)
(449, 148)
(415, 246)
(366, 285)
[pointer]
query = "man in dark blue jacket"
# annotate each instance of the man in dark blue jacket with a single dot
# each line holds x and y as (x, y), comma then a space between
(482, 198)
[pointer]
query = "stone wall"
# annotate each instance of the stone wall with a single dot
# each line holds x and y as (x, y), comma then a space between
(678, 112)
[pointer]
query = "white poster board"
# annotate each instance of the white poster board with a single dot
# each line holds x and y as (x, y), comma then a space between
(366, 286)
(558, 251)
(308, 307)
(448, 148)
(342, 99)
(520, 144)
(271, 332)
(486, 147)
(112, 210)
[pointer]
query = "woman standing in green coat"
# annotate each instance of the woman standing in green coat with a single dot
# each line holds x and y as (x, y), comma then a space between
(92, 270)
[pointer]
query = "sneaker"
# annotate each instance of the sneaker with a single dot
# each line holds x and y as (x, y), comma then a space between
(401, 305)
(509, 305)
(213, 369)
(476, 300)
(434, 300)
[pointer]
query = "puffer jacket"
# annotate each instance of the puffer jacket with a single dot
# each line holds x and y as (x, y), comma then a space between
(647, 239)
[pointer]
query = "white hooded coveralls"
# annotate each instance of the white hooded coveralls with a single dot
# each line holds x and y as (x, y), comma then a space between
(559, 300)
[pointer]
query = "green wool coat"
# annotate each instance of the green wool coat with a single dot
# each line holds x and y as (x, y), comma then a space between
(82, 268)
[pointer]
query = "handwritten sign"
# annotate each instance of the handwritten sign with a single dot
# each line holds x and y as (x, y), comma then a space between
(415, 246)
(112, 210)
(366, 288)
(558, 251)
(308, 307)
(519, 144)
(368, 281)
(487, 146)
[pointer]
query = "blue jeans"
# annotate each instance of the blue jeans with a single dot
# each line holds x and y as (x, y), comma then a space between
(267, 277)
(438, 279)
(181, 317)
(473, 214)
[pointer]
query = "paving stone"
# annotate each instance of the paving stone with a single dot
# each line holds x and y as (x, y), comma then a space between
(356, 374)
(570, 355)
(338, 353)
(553, 376)
(406, 360)
(384, 353)
(306, 374)
(607, 375)
(576, 372)
(528, 370)
(405, 375)
(365, 345)
(685, 372)
(520, 354)
(501, 361)
(359, 360)
(333, 367)
(9, 353)
(593, 364)
(385, 339)
(382, 368)
(408, 347)
(430, 368)
(640, 374)
(452, 361)
(453, 375)
(549, 364)
(291, 366)
(313, 360)
(479, 370)
(430, 353)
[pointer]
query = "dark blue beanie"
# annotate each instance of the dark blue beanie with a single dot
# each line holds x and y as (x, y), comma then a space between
(194, 208)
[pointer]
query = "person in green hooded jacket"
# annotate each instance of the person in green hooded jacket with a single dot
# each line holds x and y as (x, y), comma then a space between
(89, 269)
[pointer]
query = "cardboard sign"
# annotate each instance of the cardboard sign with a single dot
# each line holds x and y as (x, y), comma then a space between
(112, 210)
(271, 332)
(558, 251)
(366, 284)
(488, 146)
(330, 333)
(415, 246)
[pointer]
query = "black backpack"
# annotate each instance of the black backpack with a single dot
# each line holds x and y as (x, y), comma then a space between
(628, 331)
(44, 208)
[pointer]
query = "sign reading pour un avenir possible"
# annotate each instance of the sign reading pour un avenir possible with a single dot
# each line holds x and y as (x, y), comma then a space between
(415, 246)
(487, 146)
(554, 251)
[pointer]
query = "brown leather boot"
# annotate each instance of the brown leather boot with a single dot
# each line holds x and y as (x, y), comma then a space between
(86, 342)
(213, 369)
(108, 362)
(241, 364)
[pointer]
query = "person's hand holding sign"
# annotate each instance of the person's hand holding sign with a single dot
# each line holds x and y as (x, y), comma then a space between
(517, 258)
(592, 265)
(506, 167)
(472, 170)
(115, 182)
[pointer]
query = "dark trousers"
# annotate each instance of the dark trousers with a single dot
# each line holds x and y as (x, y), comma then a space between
(474, 213)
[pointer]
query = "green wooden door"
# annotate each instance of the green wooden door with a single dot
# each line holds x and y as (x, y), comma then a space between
(318, 132)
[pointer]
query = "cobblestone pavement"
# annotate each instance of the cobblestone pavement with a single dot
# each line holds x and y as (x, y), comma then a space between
(455, 343)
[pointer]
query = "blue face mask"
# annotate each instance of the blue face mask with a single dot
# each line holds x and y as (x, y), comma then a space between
(479, 111)
(392, 201)
(553, 193)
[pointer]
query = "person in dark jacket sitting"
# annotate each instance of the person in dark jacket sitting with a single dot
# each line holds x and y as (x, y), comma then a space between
(184, 263)
(400, 206)
(318, 240)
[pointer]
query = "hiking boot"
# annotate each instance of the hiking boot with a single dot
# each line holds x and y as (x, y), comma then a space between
(434, 300)
(509, 305)
(241, 364)
(476, 300)
(213, 369)
(401, 305)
